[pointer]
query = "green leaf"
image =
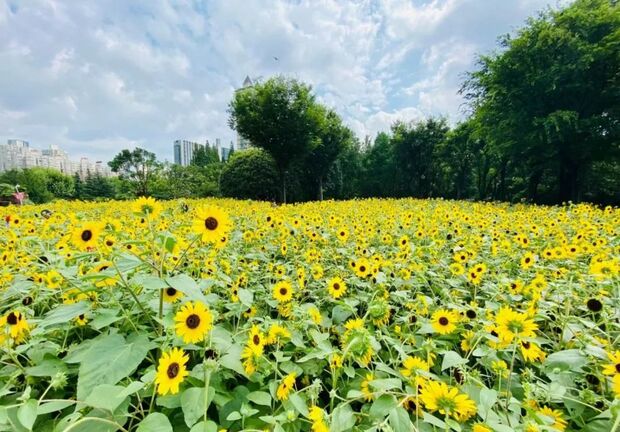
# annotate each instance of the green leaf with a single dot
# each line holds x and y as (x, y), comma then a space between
(246, 297)
(49, 407)
(571, 359)
(187, 286)
(386, 384)
(260, 398)
(299, 403)
(235, 415)
(193, 404)
(104, 318)
(399, 420)
(49, 367)
(107, 397)
(155, 422)
(429, 418)
(488, 398)
(27, 413)
(63, 314)
(382, 406)
(209, 426)
(342, 419)
(110, 359)
(451, 359)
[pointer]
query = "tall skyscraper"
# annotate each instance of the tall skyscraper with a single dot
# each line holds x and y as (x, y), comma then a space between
(243, 143)
(184, 151)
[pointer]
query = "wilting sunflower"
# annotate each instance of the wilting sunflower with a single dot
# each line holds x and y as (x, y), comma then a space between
(286, 386)
(444, 321)
(85, 237)
(171, 371)
(438, 396)
(212, 223)
(147, 207)
(365, 387)
(283, 291)
(193, 322)
(172, 294)
(336, 287)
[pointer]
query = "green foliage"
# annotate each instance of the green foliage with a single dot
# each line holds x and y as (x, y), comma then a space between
(250, 174)
(42, 184)
(279, 116)
(138, 166)
(205, 156)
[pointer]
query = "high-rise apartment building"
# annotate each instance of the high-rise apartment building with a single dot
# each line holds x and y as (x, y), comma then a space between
(243, 143)
(184, 151)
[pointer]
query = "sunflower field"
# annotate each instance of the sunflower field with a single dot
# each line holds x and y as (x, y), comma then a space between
(373, 315)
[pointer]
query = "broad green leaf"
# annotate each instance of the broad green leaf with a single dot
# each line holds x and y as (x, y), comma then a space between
(488, 398)
(571, 359)
(386, 384)
(27, 413)
(193, 404)
(235, 415)
(299, 403)
(107, 397)
(399, 420)
(49, 407)
(342, 419)
(62, 314)
(109, 359)
(209, 426)
(49, 367)
(260, 398)
(382, 406)
(187, 286)
(451, 359)
(155, 422)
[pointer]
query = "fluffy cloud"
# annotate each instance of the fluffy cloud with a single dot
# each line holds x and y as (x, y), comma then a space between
(98, 76)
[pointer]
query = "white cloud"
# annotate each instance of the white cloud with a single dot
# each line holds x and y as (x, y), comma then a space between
(96, 75)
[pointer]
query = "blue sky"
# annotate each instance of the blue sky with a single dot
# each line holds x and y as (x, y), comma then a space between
(97, 76)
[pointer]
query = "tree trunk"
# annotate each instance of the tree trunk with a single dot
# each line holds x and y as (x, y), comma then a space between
(320, 188)
(532, 188)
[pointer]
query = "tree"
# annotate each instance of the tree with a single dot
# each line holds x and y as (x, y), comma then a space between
(331, 139)
(550, 101)
(379, 167)
(279, 116)
(139, 167)
(42, 184)
(415, 146)
(204, 156)
(250, 174)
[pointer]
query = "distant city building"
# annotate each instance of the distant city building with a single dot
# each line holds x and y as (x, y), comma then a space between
(244, 143)
(17, 154)
(184, 151)
(225, 153)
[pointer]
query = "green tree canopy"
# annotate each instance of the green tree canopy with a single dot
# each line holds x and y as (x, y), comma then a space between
(137, 166)
(250, 174)
(279, 116)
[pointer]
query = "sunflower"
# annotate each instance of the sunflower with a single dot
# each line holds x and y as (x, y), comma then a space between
(147, 207)
(362, 268)
(336, 287)
(193, 322)
(527, 260)
(356, 342)
(315, 315)
(18, 326)
(212, 223)
(171, 371)
(85, 237)
(172, 294)
(286, 386)
(444, 321)
(53, 279)
(276, 334)
(511, 324)
(317, 416)
(558, 421)
(256, 341)
(412, 366)
(438, 396)
(283, 291)
(616, 386)
(480, 427)
(365, 387)
(531, 352)
(613, 368)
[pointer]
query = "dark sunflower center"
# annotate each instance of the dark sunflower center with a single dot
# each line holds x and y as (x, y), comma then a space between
(11, 318)
(444, 321)
(594, 305)
(336, 286)
(192, 321)
(87, 235)
(173, 370)
(171, 291)
(471, 314)
(362, 268)
(105, 267)
(618, 367)
(256, 339)
(525, 344)
(283, 291)
(211, 223)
